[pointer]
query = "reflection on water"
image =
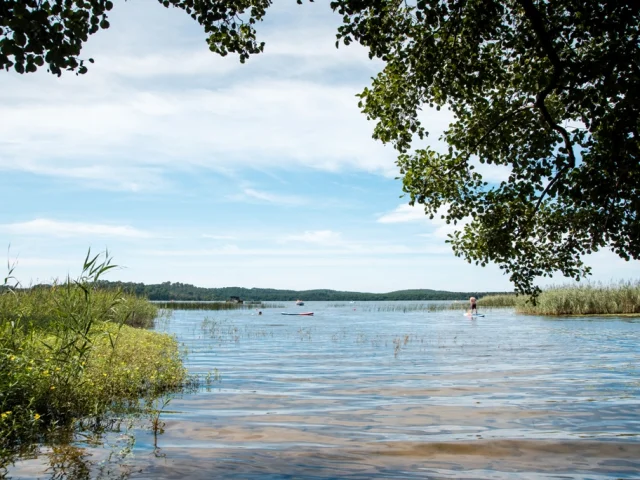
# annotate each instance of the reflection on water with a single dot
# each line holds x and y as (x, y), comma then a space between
(393, 393)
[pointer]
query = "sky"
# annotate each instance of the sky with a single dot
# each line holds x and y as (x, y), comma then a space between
(189, 167)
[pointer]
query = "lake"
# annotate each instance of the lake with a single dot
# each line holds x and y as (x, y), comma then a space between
(385, 390)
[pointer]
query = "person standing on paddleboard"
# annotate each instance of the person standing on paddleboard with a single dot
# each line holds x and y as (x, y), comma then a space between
(474, 306)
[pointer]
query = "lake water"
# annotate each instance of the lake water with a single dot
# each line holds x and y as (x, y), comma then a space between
(378, 390)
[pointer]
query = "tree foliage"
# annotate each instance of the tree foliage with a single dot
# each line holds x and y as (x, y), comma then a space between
(548, 92)
(185, 292)
(52, 32)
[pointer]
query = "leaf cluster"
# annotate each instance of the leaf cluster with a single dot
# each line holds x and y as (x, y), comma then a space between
(548, 92)
(51, 33)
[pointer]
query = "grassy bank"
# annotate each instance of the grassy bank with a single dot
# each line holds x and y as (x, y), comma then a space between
(70, 352)
(589, 299)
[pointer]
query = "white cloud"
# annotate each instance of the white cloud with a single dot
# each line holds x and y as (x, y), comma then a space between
(404, 213)
(318, 237)
(45, 227)
(257, 124)
(273, 198)
(492, 173)
(326, 251)
(218, 237)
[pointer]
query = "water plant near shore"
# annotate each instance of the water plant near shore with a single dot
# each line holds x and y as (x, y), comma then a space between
(410, 307)
(198, 305)
(68, 353)
(621, 298)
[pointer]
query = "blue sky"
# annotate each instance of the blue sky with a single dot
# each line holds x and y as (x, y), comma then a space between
(194, 168)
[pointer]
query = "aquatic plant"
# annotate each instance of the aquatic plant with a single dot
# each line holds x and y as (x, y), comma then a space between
(411, 307)
(582, 299)
(586, 299)
(198, 305)
(67, 353)
(499, 301)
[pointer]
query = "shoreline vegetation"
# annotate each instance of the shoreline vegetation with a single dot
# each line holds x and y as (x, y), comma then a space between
(73, 357)
(621, 298)
(177, 291)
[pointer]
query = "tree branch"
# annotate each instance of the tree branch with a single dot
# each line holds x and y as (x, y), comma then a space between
(499, 122)
(537, 23)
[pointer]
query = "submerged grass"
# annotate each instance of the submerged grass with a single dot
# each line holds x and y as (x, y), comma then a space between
(622, 298)
(70, 352)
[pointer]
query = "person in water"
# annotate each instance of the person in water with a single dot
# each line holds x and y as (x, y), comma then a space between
(474, 305)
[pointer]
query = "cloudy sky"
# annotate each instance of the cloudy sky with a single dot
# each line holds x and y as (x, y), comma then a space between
(193, 168)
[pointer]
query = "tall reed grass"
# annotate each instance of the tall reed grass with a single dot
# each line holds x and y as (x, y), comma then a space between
(621, 298)
(410, 307)
(201, 305)
(588, 299)
(67, 353)
(498, 301)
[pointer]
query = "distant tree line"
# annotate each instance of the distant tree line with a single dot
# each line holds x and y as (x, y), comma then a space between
(184, 292)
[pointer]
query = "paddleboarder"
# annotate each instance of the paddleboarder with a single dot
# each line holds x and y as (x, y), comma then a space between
(474, 306)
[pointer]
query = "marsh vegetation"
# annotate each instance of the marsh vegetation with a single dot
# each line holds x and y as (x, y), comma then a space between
(72, 356)
(588, 299)
(207, 305)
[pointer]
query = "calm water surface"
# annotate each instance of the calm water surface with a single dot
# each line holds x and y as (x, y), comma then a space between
(377, 390)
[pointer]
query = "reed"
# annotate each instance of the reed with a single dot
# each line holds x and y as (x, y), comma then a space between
(587, 299)
(40, 307)
(67, 354)
(199, 305)
(411, 307)
(621, 298)
(499, 301)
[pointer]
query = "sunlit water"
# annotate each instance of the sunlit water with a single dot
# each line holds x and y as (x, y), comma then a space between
(368, 390)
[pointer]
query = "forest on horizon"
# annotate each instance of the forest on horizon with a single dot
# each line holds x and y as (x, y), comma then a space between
(185, 292)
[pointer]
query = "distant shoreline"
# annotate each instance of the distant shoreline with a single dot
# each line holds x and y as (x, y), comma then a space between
(168, 291)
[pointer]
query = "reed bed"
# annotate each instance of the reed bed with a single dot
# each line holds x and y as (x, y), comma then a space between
(202, 305)
(589, 299)
(498, 301)
(412, 307)
(68, 354)
(40, 306)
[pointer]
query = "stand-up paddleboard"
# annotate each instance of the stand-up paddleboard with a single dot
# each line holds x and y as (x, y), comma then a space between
(308, 314)
(474, 315)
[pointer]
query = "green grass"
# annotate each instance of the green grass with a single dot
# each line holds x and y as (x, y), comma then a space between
(621, 298)
(70, 352)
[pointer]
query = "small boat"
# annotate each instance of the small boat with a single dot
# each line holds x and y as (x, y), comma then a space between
(299, 302)
(308, 314)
